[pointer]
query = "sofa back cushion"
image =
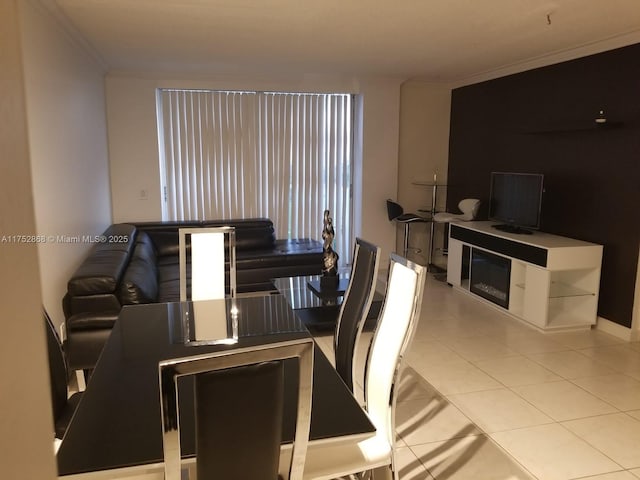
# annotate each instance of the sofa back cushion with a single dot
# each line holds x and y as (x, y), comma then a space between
(140, 281)
(251, 233)
(164, 235)
(101, 271)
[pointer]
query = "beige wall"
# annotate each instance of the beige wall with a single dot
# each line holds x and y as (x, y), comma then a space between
(424, 151)
(26, 435)
(68, 142)
(133, 146)
(376, 178)
(133, 149)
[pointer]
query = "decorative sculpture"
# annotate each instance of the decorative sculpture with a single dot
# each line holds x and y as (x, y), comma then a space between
(329, 256)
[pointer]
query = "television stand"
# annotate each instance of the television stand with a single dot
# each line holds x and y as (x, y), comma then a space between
(548, 281)
(505, 227)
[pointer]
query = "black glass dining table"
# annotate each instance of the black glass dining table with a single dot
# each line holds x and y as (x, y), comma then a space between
(318, 307)
(117, 426)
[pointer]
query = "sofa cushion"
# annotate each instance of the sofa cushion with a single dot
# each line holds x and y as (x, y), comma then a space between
(254, 238)
(169, 291)
(250, 233)
(166, 243)
(140, 282)
(101, 302)
(93, 320)
(293, 252)
(119, 236)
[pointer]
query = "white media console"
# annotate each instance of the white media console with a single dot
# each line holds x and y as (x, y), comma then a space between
(549, 281)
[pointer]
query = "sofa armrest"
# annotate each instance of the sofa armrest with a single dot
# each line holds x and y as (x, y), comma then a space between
(102, 269)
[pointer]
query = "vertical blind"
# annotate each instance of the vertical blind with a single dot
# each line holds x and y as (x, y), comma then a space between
(285, 156)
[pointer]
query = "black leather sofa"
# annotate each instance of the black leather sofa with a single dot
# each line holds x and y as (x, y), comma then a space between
(138, 263)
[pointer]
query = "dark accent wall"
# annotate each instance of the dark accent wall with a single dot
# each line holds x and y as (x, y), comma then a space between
(543, 121)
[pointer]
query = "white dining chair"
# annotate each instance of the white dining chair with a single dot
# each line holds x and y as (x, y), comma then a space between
(393, 335)
(203, 263)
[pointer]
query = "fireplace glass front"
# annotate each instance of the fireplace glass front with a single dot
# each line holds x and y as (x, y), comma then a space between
(490, 276)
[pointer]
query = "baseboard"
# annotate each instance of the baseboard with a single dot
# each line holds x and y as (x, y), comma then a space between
(617, 330)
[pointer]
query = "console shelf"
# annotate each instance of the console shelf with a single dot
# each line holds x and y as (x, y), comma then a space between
(561, 290)
(549, 281)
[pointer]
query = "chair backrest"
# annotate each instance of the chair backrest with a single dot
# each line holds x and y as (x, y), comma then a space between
(392, 337)
(238, 411)
(203, 249)
(355, 307)
(394, 210)
(469, 208)
(57, 368)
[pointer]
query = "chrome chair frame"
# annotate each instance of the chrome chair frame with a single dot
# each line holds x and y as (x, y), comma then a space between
(230, 232)
(170, 370)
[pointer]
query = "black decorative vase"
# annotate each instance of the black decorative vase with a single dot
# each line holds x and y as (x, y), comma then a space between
(329, 282)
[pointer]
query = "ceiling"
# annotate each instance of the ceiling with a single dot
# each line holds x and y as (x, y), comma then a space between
(437, 40)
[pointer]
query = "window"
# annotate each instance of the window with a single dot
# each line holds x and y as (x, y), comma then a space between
(285, 156)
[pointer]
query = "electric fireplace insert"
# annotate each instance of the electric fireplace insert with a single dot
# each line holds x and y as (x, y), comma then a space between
(490, 275)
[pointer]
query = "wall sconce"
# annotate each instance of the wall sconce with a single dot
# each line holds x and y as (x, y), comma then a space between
(601, 119)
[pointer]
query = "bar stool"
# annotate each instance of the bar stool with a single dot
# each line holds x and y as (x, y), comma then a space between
(396, 214)
(469, 208)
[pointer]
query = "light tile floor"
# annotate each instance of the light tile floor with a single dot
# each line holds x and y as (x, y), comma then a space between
(485, 397)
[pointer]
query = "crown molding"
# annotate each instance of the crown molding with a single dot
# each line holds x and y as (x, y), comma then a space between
(591, 48)
(53, 11)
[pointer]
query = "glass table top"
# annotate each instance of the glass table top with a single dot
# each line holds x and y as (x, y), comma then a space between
(320, 310)
(302, 292)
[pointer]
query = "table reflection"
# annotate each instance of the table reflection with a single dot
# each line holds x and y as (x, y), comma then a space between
(227, 321)
(209, 322)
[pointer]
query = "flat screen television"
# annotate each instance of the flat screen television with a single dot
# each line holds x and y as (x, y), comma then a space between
(515, 200)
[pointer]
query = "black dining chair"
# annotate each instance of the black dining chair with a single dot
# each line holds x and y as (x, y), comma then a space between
(395, 212)
(63, 406)
(239, 411)
(355, 308)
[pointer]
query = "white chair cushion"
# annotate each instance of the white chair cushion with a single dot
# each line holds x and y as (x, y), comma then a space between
(322, 459)
(468, 207)
(445, 217)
